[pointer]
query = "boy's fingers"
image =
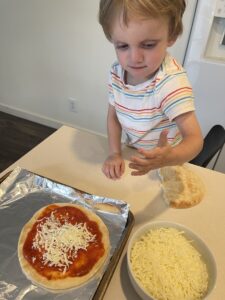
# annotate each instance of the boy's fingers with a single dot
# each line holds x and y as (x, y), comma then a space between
(117, 171)
(122, 168)
(163, 141)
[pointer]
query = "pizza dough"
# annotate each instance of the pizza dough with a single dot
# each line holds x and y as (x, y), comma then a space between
(182, 188)
(62, 246)
(107, 208)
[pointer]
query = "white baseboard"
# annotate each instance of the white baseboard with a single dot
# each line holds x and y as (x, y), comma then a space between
(40, 119)
(30, 116)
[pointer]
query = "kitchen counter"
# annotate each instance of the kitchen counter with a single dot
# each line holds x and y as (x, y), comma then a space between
(74, 157)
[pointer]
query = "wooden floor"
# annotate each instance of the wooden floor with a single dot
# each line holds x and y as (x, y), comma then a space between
(17, 137)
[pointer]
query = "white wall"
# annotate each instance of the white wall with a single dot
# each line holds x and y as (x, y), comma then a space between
(55, 49)
(52, 50)
(206, 72)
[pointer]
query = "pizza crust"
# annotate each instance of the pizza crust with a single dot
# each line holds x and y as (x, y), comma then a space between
(107, 208)
(68, 282)
(182, 188)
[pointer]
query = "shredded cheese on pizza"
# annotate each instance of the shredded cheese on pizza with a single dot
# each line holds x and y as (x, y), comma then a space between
(168, 266)
(61, 242)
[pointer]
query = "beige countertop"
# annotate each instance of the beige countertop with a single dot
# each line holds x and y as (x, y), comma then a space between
(75, 157)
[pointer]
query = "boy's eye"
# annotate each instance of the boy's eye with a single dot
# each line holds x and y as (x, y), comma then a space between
(122, 46)
(149, 45)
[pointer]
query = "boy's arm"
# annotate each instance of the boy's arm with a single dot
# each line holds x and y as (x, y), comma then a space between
(114, 165)
(166, 155)
(114, 131)
(192, 142)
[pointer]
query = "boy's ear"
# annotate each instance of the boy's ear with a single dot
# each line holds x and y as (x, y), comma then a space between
(171, 42)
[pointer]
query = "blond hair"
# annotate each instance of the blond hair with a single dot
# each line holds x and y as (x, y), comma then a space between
(144, 9)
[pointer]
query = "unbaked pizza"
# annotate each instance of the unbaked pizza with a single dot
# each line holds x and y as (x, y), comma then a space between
(63, 246)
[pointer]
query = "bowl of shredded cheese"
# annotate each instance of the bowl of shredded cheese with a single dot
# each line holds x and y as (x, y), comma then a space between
(168, 261)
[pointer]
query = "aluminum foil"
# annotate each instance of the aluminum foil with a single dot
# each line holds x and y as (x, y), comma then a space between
(21, 195)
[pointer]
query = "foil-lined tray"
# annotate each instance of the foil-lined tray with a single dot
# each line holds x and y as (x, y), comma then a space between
(22, 193)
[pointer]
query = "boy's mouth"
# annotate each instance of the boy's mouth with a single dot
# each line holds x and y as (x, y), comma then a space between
(137, 67)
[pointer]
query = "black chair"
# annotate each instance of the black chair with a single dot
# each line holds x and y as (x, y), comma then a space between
(213, 143)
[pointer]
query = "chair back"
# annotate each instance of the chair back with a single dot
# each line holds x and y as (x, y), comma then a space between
(213, 143)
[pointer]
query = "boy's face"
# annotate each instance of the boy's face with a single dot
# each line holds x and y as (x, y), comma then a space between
(140, 47)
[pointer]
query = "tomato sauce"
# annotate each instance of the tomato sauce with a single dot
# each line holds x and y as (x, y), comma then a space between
(84, 261)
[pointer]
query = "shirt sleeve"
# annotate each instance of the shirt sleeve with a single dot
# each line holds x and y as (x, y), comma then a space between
(110, 89)
(176, 95)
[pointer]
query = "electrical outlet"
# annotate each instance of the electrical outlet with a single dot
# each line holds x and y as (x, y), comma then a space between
(73, 104)
(220, 9)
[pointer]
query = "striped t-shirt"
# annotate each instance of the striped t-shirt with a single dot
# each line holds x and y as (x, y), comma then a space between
(144, 110)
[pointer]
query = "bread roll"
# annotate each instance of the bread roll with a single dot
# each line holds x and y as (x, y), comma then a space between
(182, 188)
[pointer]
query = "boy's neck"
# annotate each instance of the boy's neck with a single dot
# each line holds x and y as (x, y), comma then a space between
(133, 81)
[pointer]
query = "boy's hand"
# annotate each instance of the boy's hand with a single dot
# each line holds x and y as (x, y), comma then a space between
(114, 166)
(152, 159)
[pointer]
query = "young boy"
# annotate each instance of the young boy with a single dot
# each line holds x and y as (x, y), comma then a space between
(150, 97)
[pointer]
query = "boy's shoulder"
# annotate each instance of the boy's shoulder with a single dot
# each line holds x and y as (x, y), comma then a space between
(170, 66)
(116, 68)
(116, 73)
(171, 75)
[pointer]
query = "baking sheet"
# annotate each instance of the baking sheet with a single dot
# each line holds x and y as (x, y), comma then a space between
(22, 193)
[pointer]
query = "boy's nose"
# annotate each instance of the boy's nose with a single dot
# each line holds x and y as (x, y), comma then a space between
(136, 56)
